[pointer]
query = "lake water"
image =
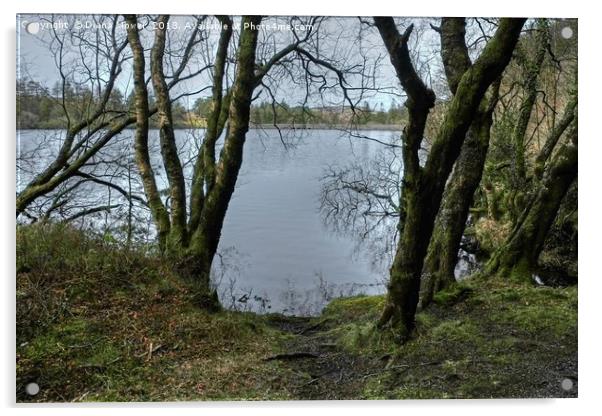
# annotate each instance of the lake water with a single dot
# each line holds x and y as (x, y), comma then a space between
(278, 253)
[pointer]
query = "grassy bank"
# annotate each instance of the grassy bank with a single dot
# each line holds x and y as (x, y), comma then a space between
(97, 322)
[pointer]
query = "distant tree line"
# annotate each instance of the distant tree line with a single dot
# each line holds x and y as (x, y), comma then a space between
(40, 107)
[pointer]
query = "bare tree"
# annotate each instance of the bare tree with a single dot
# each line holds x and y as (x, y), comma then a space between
(191, 241)
(92, 61)
(91, 124)
(362, 200)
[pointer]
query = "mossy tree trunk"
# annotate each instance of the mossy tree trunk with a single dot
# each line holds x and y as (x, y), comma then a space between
(157, 208)
(517, 258)
(444, 246)
(442, 256)
(205, 239)
(177, 237)
(552, 178)
(422, 188)
(532, 69)
(204, 169)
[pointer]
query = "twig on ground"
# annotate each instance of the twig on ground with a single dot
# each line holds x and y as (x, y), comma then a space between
(292, 356)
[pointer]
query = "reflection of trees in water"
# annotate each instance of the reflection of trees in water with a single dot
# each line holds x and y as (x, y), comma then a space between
(290, 301)
(106, 194)
(310, 302)
(361, 200)
(226, 272)
(103, 196)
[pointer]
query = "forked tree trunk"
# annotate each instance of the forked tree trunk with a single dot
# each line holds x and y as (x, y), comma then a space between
(191, 245)
(444, 246)
(204, 168)
(442, 257)
(205, 239)
(423, 186)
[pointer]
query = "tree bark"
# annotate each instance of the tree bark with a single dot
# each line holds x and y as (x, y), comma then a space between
(454, 51)
(158, 210)
(450, 223)
(177, 238)
(518, 257)
(423, 187)
(206, 237)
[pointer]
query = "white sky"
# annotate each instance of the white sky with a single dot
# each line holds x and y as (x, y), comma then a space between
(341, 41)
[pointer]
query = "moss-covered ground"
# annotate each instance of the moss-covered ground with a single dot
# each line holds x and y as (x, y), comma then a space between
(100, 323)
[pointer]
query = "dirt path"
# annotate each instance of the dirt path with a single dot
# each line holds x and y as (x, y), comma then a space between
(474, 366)
(325, 371)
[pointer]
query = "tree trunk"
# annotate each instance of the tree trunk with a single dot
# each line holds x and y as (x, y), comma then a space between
(177, 238)
(423, 187)
(158, 210)
(533, 68)
(205, 240)
(204, 168)
(442, 257)
(451, 220)
(518, 257)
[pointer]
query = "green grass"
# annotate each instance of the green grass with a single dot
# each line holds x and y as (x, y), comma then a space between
(89, 312)
(481, 338)
(456, 293)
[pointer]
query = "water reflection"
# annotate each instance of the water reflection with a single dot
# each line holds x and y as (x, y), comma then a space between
(276, 254)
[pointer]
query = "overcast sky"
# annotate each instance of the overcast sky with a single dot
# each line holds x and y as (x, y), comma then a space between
(344, 40)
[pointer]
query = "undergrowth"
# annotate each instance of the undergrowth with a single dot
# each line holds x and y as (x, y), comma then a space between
(100, 322)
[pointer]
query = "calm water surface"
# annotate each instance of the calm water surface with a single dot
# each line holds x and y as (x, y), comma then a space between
(274, 242)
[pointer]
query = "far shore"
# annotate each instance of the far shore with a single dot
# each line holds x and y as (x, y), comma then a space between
(343, 127)
(364, 127)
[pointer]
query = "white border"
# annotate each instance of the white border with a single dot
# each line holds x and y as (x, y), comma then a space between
(590, 291)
